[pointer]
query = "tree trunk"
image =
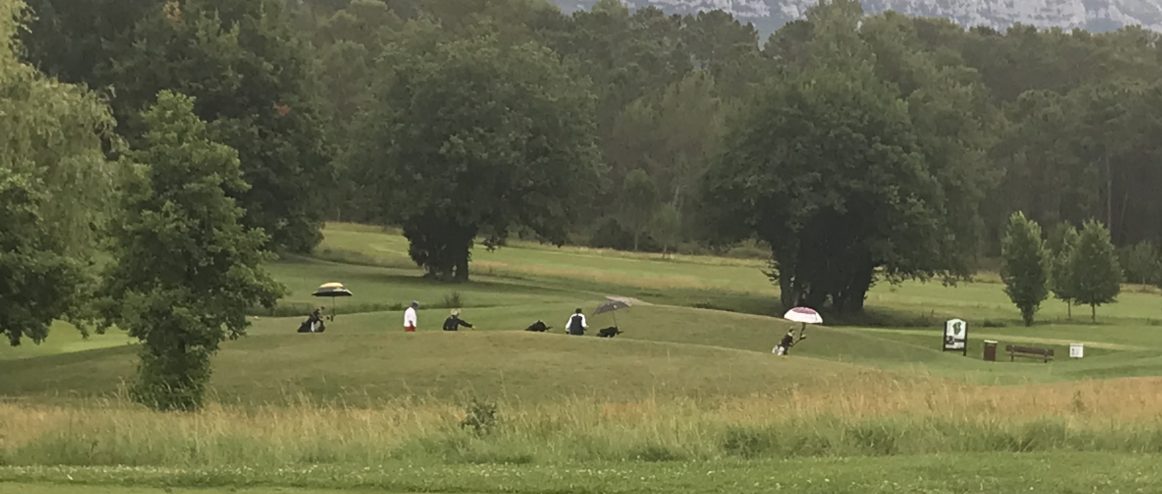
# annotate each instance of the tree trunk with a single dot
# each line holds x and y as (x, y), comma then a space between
(462, 269)
(788, 295)
(637, 233)
(1069, 310)
(1093, 312)
(1109, 194)
(816, 299)
(1120, 238)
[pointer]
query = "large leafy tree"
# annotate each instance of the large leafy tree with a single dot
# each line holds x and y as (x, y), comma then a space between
(54, 185)
(185, 269)
(828, 169)
(841, 192)
(1025, 265)
(247, 67)
(1095, 273)
(473, 137)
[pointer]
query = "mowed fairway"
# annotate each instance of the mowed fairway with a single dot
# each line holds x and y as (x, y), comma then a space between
(688, 399)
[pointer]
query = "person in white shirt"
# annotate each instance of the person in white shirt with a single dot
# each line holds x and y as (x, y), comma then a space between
(410, 321)
(577, 324)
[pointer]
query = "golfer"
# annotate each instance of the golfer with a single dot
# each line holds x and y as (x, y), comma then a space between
(453, 322)
(577, 324)
(786, 344)
(410, 321)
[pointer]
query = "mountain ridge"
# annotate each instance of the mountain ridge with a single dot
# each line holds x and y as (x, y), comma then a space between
(1092, 15)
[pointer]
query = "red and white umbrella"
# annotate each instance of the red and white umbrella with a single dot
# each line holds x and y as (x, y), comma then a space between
(804, 315)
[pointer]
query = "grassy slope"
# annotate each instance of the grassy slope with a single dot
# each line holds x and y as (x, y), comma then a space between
(667, 351)
(512, 365)
(364, 353)
(733, 283)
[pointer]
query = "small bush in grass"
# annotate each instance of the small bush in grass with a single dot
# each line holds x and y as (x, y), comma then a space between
(453, 301)
(481, 417)
(745, 442)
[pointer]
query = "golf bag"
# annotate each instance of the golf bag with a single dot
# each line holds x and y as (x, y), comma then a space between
(313, 324)
(538, 327)
(609, 332)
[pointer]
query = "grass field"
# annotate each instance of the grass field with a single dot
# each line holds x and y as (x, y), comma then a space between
(688, 399)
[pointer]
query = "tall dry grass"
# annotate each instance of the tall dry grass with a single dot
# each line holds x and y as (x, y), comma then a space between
(865, 415)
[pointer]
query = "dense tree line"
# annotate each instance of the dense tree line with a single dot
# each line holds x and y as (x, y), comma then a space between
(194, 136)
(858, 148)
(1053, 123)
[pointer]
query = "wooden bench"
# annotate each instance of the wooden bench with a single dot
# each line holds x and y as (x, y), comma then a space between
(1015, 351)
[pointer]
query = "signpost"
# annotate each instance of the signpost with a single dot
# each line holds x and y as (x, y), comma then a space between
(1076, 350)
(956, 336)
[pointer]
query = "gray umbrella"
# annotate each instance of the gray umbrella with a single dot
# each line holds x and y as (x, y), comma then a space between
(612, 305)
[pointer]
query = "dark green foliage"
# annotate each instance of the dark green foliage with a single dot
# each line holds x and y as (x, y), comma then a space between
(40, 282)
(844, 191)
(1059, 124)
(473, 137)
(185, 270)
(668, 227)
(54, 189)
(1142, 263)
(1062, 243)
(251, 75)
(1094, 270)
(1026, 265)
(639, 202)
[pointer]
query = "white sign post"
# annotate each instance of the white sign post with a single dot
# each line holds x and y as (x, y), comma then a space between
(1076, 350)
(956, 336)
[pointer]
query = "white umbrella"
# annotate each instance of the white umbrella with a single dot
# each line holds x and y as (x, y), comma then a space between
(804, 315)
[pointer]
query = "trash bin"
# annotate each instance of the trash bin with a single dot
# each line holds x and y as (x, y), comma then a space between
(1076, 350)
(990, 351)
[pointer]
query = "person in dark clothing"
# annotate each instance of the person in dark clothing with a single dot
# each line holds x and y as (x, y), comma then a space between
(786, 344)
(453, 322)
(314, 323)
(577, 324)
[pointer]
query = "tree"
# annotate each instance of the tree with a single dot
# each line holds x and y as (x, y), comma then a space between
(1095, 273)
(245, 65)
(843, 192)
(668, 227)
(185, 269)
(473, 137)
(40, 282)
(1062, 244)
(672, 135)
(1025, 267)
(1141, 263)
(639, 204)
(54, 188)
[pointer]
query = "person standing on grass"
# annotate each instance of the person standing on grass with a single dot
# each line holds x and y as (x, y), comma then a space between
(577, 324)
(410, 321)
(453, 322)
